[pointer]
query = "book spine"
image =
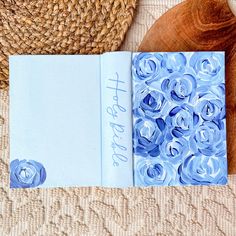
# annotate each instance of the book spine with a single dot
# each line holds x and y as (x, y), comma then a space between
(116, 119)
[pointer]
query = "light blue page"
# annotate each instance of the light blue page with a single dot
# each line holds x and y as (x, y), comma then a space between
(116, 89)
(55, 121)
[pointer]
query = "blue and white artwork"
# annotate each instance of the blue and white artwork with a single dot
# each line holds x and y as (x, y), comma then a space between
(179, 124)
(174, 103)
(26, 174)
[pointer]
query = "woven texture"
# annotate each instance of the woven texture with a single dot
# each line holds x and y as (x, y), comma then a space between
(61, 27)
(177, 211)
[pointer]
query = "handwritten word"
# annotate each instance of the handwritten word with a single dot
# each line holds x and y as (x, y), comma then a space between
(117, 130)
(114, 111)
(116, 107)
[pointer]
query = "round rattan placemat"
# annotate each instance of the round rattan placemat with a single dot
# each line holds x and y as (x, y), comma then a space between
(61, 27)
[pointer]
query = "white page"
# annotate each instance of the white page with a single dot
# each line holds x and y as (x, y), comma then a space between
(55, 116)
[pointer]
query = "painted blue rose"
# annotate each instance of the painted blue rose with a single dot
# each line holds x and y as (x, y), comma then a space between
(173, 149)
(204, 170)
(209, 139)
(148, 135)
(179, 119)
(208, 66)
(154, 172)
(174, 62)
(179, 87)
(148, 103)
(147, 65)
(182, 120)
(26, 174)
(211, 103)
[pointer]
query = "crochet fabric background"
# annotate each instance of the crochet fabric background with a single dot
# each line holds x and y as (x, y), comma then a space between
(99, 211)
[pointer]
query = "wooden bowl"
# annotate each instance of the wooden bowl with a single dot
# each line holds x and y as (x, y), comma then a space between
(202, 25)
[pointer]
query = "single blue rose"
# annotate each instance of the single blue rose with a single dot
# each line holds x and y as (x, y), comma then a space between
(174, 62)
(146, 65)
(208, 66)
(179, 87)
(203, 170)
(182, 120)
(210, 104)
(173, 149)
(154, 172)
(148, 103)
(209, 139)
(26, 174)
(148, 135)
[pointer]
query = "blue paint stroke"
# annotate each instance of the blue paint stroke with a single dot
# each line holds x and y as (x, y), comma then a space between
(26, 174)
(179, 121)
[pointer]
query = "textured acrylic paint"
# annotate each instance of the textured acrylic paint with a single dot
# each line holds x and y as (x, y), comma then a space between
(179, 125)
(119, 119)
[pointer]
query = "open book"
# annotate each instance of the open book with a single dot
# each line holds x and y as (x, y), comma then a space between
(119, 119)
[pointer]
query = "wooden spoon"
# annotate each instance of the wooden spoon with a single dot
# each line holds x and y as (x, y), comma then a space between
(202, 25)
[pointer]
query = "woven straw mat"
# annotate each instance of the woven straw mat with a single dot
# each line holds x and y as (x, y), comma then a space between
(61, 27)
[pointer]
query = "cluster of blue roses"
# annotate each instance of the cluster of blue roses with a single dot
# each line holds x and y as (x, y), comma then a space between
(179, 118)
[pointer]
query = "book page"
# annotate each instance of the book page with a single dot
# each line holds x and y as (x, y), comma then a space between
(55, 133)
(179, 118)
